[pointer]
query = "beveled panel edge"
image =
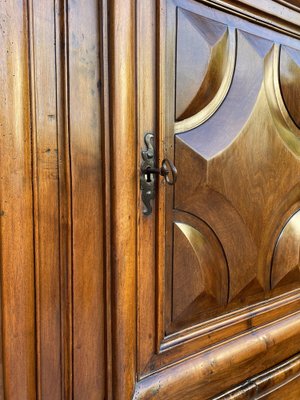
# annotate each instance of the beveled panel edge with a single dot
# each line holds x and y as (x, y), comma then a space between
(188, 378)
(265, 382)
(204, 114)
(288, 4)
(207, 335)
(276, 15)
(250, 315)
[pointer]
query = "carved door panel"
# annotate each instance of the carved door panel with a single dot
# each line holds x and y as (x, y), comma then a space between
(235, 233)
(226, 277)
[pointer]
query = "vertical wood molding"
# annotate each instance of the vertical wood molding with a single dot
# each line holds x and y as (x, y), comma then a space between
(124, 175)
(106, 157)
(66, 72)
(65, 197)
(56, 147)
(146, 102)
(45, 137)
(17, 254)
(85, 125)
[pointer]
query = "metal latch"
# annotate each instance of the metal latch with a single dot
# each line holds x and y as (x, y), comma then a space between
(149, 172)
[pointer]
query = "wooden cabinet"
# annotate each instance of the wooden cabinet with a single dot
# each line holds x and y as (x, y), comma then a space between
(200, 298)
(52, 200)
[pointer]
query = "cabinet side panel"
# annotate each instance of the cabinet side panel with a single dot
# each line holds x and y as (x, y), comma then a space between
(17, 259)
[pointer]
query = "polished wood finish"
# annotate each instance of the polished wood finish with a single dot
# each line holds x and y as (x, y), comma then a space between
(213, 370)
(233, 141)
(123, 196)
(45, 192)
(86, 126)
(280, 382)
(146, 255)
(289, 79)
(200, 299)
(54, 131)
(227, 166)
(196, 194)
(17, 247)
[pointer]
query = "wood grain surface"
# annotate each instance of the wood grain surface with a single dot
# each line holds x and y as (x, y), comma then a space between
(17, 246)
(280, 382)
(200, 299)
(53, 127)
(235, 145)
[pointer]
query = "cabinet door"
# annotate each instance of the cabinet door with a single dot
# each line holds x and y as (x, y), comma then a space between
(218, 83)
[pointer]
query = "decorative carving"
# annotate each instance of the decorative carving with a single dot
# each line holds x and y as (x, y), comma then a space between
(283, 122)
(290, 81)
(290, 3)
(200, 280)
(194, 196)
(239, 172)
(205, 65)
(228, 122)
(286, 258)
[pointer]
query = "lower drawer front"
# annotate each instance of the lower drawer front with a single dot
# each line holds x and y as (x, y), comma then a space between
(289, 390)
(281, 382)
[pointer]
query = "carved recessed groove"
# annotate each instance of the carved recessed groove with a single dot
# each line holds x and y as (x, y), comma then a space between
(200, 273)
(290, 81)
(286, 258)
(285, 126)
(205, 66)
(194, 196)
(227, 123)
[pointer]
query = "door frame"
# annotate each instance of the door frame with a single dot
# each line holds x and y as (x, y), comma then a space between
(134, 31)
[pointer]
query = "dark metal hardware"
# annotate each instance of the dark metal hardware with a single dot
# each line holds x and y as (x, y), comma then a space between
(149, 171)
(166, 167)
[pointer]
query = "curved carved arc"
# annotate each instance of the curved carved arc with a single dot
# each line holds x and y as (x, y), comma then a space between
(285, 126)
(290, 81)
(282, 212)
(193, 196)
(286, 258)
(229, 43)
(225, 126)
(197, 38)
(200, 272)
(212, 81)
